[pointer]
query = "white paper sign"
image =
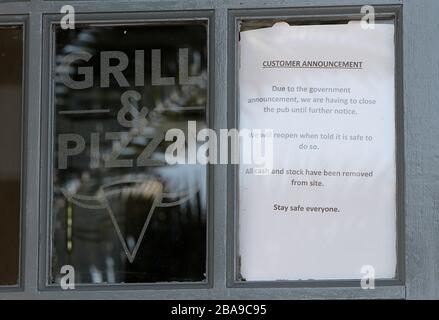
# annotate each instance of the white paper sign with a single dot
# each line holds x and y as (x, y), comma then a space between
(328, 207)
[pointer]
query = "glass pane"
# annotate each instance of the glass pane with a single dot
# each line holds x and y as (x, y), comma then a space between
(323, 203)
(121, 212)
(11, 64)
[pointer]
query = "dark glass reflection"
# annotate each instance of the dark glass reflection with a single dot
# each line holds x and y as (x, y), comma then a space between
(121, 213)
(11, 64)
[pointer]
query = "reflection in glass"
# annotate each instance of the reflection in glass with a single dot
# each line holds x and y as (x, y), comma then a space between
(121, 213)
(11, 64)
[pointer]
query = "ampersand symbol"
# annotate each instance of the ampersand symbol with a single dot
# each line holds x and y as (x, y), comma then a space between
(138, 118)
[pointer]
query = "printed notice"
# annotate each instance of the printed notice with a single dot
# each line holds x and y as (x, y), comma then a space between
(326, 207)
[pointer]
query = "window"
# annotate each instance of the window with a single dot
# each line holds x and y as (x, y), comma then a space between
(11, 68)
(326, 199)
(120, 212)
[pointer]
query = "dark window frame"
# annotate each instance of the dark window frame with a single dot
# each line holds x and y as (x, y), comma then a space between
(113, 19)
(305, 15)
